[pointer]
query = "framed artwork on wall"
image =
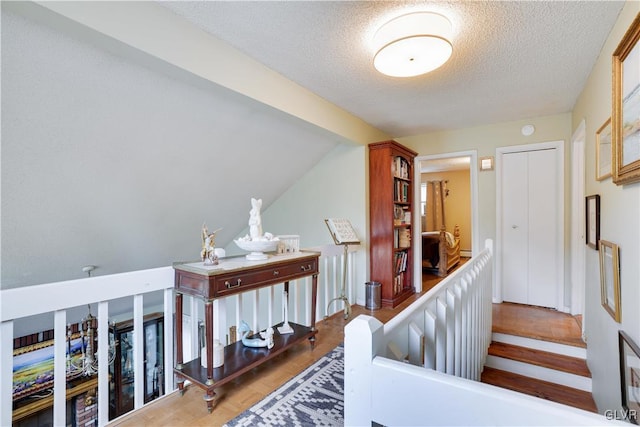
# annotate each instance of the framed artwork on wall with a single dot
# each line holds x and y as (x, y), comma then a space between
(629, 376)
(603, 151)
(625, 117)
(592, 220)
(610, 279)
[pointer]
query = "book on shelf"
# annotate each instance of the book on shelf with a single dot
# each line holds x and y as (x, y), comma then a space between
(342, 231)
(400, 167)
(402, 238)
(401, 262)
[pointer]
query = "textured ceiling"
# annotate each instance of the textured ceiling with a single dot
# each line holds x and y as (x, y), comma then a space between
(511, 60)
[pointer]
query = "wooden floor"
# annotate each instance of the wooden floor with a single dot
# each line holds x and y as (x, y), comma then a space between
(235, 397)
(537, 322)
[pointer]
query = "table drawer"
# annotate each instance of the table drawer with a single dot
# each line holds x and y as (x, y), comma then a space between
(239, 282)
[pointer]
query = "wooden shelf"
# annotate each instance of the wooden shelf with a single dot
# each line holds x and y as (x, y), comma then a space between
(239, 359)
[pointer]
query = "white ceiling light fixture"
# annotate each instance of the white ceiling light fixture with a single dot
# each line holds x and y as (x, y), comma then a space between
(412, 44)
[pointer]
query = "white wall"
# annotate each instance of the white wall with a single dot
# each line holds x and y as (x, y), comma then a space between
(108, 162)
(333, 188)
(619, 223)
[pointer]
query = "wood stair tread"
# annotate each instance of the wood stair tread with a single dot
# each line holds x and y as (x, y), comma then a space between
(538, 388)
(558, 362)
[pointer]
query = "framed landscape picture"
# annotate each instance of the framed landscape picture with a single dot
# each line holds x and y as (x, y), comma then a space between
(610, 279)
(625, 117)
(592, 221)
(603, 151)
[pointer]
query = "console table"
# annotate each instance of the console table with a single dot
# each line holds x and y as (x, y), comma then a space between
(232, 276)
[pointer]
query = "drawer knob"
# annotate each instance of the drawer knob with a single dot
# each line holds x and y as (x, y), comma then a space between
(229, 285)
(307, 268)
(276, 272)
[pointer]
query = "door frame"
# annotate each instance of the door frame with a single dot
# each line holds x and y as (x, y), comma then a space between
(475, 239)
(577, 220)
(500, 152)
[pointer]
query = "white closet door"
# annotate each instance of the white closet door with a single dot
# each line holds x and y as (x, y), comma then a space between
(543, 232)
(515, 230)
(530, 260)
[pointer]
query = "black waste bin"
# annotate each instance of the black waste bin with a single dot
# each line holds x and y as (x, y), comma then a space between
(372, 295)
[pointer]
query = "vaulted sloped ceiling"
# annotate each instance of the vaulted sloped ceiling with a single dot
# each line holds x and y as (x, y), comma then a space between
(111, 159)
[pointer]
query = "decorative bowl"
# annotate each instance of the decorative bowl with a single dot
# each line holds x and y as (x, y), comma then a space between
(257, 247)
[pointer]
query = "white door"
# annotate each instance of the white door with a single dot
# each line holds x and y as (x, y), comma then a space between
(530, 257)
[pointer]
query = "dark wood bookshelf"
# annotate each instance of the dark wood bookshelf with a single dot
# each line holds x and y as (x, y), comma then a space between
(385, 200)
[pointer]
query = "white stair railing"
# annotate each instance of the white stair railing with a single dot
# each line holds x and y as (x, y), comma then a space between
(423, 367)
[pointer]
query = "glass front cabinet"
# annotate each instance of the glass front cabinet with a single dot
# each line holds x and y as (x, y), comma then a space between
(121, 386)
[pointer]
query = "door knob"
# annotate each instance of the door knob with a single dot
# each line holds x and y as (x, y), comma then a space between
(514, 226)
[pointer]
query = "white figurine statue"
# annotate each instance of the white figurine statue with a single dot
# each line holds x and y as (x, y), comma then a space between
(255, 223)
(266, 339)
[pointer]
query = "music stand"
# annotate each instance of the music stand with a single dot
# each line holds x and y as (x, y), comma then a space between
(343, 234)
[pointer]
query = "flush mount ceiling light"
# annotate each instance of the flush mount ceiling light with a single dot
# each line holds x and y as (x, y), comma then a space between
(412, 44)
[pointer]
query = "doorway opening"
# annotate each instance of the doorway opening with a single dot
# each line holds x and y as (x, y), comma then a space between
(446, 200)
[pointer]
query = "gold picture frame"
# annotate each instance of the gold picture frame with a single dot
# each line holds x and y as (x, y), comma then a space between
(625, 115)
(610, 279)
(603, 151)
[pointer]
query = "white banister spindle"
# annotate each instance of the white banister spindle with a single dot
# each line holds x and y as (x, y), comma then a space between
(255, 309)
(296, 300)
(441, 336)
(451, 327)
(458, 329)
(194, 325)
(103, 366)
(138, 351)
(168, 340)
(6, 371)
(59, 368)
(238, 299)
(429, 339)
(271, 305)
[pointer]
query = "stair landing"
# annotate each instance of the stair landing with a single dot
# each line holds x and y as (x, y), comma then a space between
(537, 323)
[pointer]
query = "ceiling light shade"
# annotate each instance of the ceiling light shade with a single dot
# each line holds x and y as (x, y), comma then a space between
(412, 44)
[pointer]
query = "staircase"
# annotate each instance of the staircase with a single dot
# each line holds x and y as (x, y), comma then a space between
(549, 370)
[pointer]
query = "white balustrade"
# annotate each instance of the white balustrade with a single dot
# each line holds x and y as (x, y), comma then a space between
(423, 366)
(261, 308)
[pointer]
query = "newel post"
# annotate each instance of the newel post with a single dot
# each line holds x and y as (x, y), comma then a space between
(362, 339)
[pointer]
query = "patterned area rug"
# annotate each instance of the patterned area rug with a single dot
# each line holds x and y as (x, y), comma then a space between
(312, 398)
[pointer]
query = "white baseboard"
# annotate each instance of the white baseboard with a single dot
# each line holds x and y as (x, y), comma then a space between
(465, 254)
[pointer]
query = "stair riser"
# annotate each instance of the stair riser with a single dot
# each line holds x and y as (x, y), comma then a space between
(552, 347)
(539, 372)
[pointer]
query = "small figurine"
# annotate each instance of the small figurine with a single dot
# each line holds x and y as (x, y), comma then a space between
(208, 254)
(266, 339)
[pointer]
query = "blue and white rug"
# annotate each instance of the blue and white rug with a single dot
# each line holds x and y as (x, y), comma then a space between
(314, 397)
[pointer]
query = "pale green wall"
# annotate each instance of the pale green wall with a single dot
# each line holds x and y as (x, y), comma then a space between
(333, 188)
(619, 213)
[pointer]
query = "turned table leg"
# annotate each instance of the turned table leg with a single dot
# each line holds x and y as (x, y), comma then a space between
(208, 397)
(314, 295)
